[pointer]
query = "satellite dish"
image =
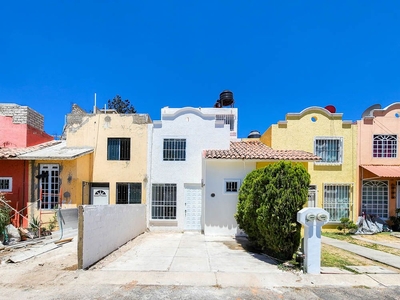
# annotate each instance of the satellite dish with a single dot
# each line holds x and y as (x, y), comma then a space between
(368, 111)
(330, 108)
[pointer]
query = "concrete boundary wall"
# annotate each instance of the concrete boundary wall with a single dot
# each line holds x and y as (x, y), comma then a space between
(104, 228)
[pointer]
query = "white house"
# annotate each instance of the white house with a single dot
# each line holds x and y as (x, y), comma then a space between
(224, 171)
(176, 183)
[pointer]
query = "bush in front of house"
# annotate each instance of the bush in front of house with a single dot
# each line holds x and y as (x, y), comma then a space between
(269, 200)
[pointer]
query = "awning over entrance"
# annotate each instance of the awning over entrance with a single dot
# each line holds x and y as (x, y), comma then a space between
(384, 171)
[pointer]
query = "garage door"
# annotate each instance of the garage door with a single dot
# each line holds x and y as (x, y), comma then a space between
(192, 207)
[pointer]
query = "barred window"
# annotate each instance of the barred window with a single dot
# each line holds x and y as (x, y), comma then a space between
(329, 149)
(163, 204)
(232, 185)
(337, 201)
(375, 198)
(385, 145)
(174, 150)
(118, 149)
(5, 184)
(129, 193)
(228, 119)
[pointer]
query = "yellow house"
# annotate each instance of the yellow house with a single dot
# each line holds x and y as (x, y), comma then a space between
(119, 162)
(324, 133)
(56, 177)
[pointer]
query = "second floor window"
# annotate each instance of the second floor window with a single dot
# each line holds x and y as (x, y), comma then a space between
(385, 145)
(174, 150)
(118, 149)
(330, 149)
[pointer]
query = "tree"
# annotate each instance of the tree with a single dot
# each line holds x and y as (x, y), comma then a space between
(121, 106)
(269, 200)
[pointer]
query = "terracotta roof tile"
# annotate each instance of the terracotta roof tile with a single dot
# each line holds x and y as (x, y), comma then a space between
(258, 151)
(15, 152)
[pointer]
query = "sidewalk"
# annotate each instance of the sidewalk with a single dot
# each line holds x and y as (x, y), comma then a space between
(383, 257)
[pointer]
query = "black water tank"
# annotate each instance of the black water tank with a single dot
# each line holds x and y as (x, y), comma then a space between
(254, 134)
(226, 98)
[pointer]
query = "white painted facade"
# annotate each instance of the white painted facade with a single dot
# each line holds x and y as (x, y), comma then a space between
(202, 130)
(220, 206)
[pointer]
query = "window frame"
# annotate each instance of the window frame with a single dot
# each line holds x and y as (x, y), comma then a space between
(9, 184)
(337, 205)
(119, 144)
(132, 187)
(166, 205)
(230, 181)
(174, 153)
(381, 208)
(339, 160)
(381, 152)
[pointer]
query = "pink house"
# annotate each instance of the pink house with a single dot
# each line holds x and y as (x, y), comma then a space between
(21, 131)
(379, 160)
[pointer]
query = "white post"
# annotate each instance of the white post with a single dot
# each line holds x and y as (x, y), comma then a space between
(313, 219)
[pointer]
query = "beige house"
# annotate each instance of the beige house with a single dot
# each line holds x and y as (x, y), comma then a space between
(119, 163)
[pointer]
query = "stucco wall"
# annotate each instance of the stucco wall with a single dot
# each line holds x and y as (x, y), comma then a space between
(94, 131)
(220, 209)
(298, 132)
(104, 228)
(18, 171)
(201, 132)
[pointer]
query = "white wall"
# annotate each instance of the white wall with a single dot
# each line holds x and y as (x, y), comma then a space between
(220, 209)
(201, 131)
(104, 228)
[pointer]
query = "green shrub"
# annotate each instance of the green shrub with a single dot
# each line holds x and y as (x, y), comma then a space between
(346, 224)
(4, 214)
(269, 200)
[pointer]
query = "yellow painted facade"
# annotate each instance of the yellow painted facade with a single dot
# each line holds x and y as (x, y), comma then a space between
(299, 131)
(72, 175)
(94, 130)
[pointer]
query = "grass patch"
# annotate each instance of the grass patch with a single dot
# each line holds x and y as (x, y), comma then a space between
(348, 238)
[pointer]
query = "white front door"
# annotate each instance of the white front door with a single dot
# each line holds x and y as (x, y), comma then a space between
(100, 195)
(193, 207)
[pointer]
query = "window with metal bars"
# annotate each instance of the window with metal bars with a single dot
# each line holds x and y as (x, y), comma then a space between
(5, 184)
(375, 198)
(163, 202)
(337, 201)
(118, 149)
(312, 196)
(228, 119)
(232, 185)
(174, 150)
(330, 150)
(385, 145)
(129, 193)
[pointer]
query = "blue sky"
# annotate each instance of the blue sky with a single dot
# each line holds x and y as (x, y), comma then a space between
(276, 56)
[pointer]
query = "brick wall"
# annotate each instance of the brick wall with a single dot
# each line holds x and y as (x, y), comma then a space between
(22, 115)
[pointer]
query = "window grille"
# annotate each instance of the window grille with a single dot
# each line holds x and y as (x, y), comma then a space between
(232, 186)
(5, 184)
(312, 196)
(228, 119)
(385, 145)
(329, 149)
(337, 201)
(375, 198)
(174, 150)
(118, 149)
(163, 204)
(129, 193)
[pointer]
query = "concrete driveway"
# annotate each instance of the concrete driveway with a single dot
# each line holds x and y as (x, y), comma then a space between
(189, 252)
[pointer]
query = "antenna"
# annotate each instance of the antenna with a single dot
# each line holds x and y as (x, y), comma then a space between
(94, 107)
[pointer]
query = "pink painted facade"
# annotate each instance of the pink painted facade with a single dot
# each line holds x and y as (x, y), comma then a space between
(15, 135)
(379, 160)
